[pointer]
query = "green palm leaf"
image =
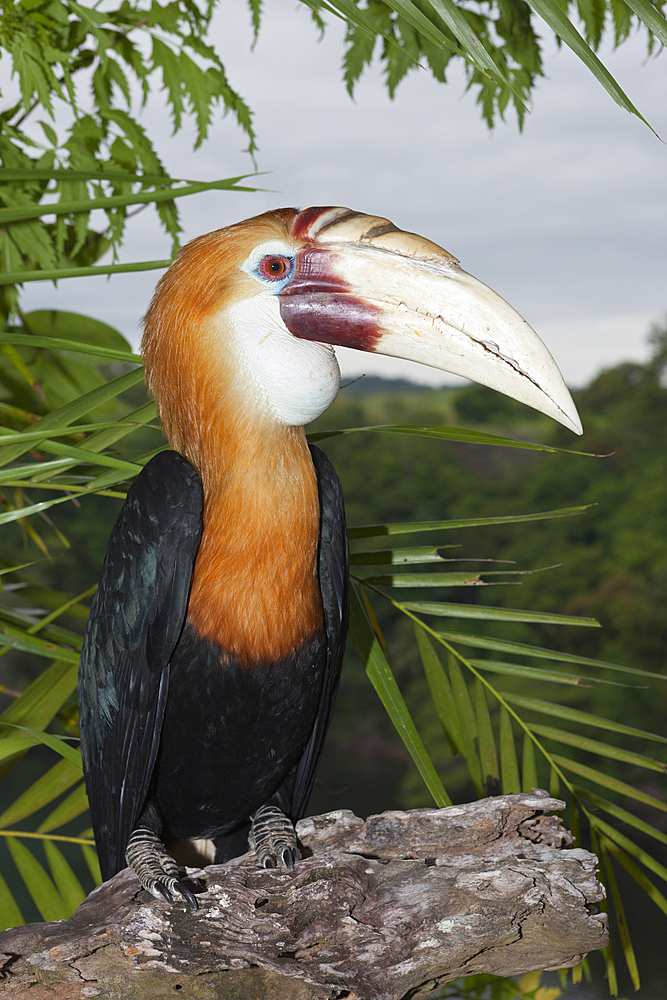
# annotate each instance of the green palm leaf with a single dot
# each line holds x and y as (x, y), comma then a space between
(540, 674)
(576, 739)
(621, 920)
(10, 915)
(442, 609)
(42, 699)
(553, 14)
(25, 212)
(509, 764)
(78, 347)
(579, 717)
(467, 722)
(69, 888)
(38, 883)
(488, 755)
(49, 786)
(72, 806)
(441, 691)
(31, 737)
(415, 527)
(370, 653)
(523, 649)
(638, 875)
(438, 433)
(625, 817)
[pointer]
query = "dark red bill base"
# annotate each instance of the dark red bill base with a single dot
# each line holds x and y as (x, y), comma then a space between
(316, 304)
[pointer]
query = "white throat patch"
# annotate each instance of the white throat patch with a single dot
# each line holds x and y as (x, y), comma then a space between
(297, 380)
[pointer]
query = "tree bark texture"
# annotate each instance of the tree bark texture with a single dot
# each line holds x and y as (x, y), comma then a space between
(383, 909)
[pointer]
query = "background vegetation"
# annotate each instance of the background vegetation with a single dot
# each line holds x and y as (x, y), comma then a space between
(516, 703)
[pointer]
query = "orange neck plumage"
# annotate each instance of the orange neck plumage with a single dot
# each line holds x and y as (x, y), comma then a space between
(255, 589)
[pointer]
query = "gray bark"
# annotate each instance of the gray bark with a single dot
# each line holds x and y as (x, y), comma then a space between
(385, 909)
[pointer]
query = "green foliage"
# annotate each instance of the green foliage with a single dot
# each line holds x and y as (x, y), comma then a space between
(59, 398)
(498, 42)
(102, 158)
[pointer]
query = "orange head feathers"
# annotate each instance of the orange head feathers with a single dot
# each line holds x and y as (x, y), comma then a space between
(189, 369)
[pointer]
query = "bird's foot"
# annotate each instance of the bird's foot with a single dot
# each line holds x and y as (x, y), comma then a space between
(273, 839)
(156, 870)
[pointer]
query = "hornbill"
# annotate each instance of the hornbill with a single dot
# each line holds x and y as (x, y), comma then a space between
(213, 648)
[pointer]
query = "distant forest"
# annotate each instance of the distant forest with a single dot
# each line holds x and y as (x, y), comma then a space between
(609, 562)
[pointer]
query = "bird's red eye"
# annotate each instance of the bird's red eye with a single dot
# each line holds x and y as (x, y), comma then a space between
(274, 267)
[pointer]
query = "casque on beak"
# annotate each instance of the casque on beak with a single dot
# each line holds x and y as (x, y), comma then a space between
(360, 282)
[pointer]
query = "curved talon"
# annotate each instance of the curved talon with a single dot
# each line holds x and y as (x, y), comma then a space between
(160, 892)
(189, 897)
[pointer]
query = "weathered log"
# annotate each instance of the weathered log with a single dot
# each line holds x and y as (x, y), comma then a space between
(389, 908)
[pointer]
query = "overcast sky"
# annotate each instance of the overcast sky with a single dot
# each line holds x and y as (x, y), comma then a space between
(568, 221)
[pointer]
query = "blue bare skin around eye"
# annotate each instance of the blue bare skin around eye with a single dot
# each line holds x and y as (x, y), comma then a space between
(277, 283)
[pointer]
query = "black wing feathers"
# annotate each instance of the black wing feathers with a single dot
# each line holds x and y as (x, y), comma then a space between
(333, 579)
(135, 621)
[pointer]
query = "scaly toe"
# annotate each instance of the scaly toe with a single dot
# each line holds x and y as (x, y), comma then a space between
(273, 838)
(156, 870)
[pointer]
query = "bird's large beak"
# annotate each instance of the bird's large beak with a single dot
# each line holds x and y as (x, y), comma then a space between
(361, 282)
